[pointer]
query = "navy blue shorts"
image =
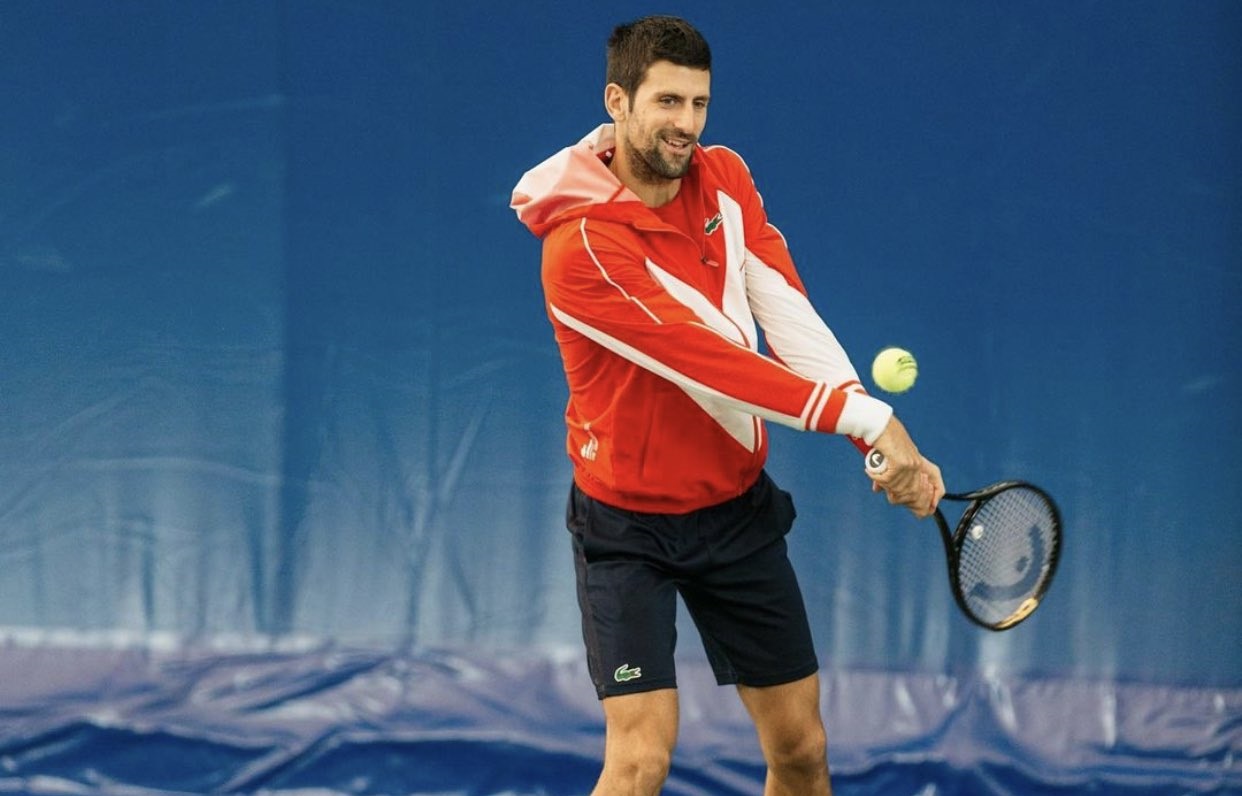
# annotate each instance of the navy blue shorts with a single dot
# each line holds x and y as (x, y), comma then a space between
(730, 566)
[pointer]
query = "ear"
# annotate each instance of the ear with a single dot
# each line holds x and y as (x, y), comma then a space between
(616, 102)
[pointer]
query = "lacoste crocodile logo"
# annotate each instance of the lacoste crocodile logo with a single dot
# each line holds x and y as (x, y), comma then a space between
(624, 673)
(712, 224)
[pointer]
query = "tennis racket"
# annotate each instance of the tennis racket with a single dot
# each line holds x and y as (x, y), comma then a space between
(1004, 551)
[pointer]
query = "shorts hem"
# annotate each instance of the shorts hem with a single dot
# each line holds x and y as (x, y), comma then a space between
(767, 680)
(611, 690)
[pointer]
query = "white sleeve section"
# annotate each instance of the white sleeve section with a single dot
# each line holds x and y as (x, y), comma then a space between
(864, 417)
(794, 330)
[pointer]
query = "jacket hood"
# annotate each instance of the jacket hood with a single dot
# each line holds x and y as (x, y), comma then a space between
(573, 183)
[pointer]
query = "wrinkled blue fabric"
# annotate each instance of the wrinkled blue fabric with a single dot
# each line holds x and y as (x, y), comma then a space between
(352, 721)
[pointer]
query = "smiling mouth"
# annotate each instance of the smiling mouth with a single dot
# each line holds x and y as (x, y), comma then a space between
(679, 146)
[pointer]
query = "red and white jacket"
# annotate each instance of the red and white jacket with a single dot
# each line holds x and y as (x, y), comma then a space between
(656, 323)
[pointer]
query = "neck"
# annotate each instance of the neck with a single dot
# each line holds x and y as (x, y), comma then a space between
(658, 195)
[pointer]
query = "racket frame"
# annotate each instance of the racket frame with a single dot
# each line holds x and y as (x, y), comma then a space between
(874, 462)
(954, 539)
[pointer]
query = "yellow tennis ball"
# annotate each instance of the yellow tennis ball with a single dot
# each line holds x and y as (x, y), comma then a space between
(894, 370)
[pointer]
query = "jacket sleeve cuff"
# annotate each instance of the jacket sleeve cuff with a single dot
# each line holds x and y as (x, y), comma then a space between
(864, 417)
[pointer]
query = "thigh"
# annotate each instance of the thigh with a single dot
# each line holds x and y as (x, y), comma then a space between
(790, 709)
(646, 719)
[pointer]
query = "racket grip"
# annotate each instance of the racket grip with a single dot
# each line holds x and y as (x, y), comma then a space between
(874, 462)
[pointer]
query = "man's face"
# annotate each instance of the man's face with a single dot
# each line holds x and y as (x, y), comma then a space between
(661, 125)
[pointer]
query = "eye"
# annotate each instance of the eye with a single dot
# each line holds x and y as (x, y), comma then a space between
(668, 102)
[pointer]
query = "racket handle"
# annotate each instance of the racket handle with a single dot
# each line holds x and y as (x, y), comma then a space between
(874, 462)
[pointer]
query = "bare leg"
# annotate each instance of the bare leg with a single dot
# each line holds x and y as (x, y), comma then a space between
(638, 745)
(791, 734)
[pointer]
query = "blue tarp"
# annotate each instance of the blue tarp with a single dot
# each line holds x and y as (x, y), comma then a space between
(350, 721)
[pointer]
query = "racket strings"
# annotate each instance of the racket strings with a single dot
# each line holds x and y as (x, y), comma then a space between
(1006, 553)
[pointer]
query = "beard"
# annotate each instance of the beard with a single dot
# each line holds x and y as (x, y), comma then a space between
(651, 166)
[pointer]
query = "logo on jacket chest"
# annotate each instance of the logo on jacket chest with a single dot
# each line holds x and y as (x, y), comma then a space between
(712, 224)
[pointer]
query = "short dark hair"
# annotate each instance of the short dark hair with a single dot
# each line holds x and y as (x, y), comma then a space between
(635, 46)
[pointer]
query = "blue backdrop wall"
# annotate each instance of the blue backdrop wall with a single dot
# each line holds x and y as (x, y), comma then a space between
(281, 454)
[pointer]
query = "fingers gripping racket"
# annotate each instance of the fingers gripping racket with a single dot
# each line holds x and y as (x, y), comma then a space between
(1004, 551)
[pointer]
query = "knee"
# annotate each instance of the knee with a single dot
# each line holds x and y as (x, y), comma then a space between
(799, 753)
(645, 765)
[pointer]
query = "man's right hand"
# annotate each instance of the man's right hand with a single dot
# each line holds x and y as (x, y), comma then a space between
(910, 479)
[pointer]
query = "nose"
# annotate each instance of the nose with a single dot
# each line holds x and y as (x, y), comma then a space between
(687, 120)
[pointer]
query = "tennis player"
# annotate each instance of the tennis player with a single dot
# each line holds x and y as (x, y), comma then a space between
(659, 269)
